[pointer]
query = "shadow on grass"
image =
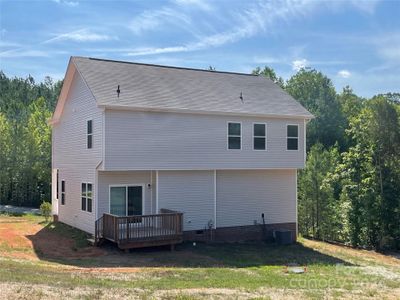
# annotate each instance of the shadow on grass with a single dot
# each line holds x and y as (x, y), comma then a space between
(61, 243)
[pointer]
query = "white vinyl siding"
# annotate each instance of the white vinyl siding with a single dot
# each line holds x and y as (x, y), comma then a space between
(70, 156)
(190, 192)
(171, 141)
(242, 196)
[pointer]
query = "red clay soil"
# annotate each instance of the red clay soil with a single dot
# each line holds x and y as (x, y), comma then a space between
(26, 239)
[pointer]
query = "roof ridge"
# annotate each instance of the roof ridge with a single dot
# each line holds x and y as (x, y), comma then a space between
(164, 66)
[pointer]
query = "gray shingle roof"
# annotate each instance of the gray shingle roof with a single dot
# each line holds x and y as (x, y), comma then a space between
(159, 87)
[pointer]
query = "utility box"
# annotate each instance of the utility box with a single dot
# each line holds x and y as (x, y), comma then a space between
(283, 237)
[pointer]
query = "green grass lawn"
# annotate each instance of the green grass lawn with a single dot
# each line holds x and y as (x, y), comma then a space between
(233, 271)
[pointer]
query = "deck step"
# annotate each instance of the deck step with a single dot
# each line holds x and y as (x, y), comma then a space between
(91, 241)
(149, 243)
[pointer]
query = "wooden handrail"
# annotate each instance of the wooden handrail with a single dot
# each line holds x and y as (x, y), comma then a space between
(142, 227)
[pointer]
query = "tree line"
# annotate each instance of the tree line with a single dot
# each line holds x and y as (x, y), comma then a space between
(25, 139)
(348, 192)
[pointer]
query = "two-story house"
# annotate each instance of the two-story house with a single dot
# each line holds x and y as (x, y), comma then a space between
(133, 139)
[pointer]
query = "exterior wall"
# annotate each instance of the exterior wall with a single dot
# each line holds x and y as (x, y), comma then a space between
(238, 200)
(75, 162)
(171, 141)
(243, 195)
(190, 192)
(241, 233)
(105, 179)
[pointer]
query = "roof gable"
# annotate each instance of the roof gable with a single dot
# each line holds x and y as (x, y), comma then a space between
(152, 87)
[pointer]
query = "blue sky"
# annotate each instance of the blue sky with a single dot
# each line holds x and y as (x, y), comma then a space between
(355, 43)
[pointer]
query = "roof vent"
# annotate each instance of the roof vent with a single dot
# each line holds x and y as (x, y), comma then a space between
(241, 97)
(118, 91)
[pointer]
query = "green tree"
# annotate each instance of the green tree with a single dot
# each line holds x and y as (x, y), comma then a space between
(45, 210)
(27, 151)
(269, 73)
(350, 106)
(38, 137)
(370, 172)
(5, 151)
(318, 206)
(315, 92)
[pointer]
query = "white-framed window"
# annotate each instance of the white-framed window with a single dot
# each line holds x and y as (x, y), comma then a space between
(234, 135)
(127, 200)
(87, 197)
(89, 134)
(62, 192)
(292, 137)
(259, 136)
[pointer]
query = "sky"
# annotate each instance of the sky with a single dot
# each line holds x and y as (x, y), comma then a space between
(355, 43)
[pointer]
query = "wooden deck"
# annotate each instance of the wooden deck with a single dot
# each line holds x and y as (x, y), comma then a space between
(140, 231)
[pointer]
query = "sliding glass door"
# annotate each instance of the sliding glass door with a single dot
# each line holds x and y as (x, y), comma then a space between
(126, 200)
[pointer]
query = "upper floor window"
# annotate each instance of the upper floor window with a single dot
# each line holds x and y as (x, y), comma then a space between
(86, 197)
(259, 136)
(89, 134)
(234, 135)
(292, 137)
(62, 192)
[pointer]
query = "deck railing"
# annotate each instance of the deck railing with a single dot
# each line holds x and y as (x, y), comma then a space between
(166, 225)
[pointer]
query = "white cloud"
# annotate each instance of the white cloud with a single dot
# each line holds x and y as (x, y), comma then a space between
(68, 3)
(177, 14)
(267, 60)
(203, 5)
(388, 47)
(82, 35)
(258, 18)
(367, 6)
(344, 74)
(299, 64)
(150, 20)
(23, 53)
(71, 3)
(4, 44)
(151, 51)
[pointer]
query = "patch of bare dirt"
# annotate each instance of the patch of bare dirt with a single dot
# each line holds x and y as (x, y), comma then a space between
(368, 255)
(33, 292)
(28, 240)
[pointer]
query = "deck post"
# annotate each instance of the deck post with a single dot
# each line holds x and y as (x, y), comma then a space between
(127, 228)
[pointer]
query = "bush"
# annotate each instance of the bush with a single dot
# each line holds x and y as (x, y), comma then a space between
(45, 210)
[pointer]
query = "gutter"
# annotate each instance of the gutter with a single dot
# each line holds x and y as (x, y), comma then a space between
(203, 112)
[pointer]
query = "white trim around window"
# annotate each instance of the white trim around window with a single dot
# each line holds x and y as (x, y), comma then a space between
(259, 136)
(63, 193)
(89, 134)
(292, 137)
(234, 135)
(86, 197)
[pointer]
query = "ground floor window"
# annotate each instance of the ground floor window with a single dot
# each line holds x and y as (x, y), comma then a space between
(87, 197)
(62, 192)
(57, 184)
(126, 200)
